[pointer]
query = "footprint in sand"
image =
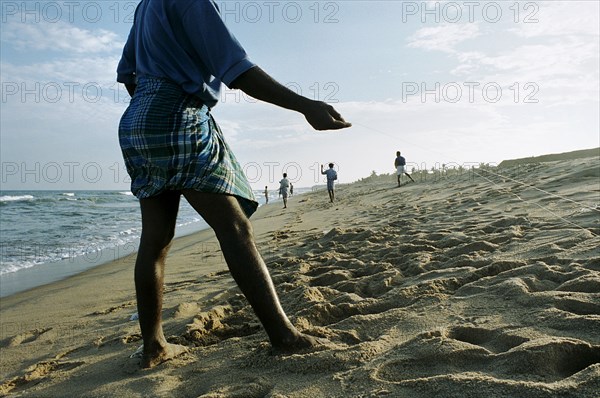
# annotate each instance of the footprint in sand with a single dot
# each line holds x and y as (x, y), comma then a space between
(588, 283)
(113, 309)
(322, 314)
(36, 374)
(470, 248)
(24, 338)
(577, 306)
(331, 277)
(494, 341)
(179, 285)
(545, 360)
(130, 338)
(220, 323)
(248, 387)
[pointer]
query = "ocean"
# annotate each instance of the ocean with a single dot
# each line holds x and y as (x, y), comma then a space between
(49, 235)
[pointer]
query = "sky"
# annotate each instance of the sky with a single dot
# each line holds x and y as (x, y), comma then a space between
(446, 82)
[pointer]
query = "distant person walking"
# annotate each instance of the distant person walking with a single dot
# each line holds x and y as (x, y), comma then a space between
(266, 194)
(331, 177)
(284, 186)
(400, 164)
(291, 189)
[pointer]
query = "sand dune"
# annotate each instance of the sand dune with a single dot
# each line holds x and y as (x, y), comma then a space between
(480, 284)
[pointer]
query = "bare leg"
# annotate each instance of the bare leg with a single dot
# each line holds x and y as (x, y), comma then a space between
(234, 231)
(285, 202)
(408, 175)
(159, 215)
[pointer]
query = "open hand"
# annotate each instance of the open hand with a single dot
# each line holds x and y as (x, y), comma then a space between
(322, 116)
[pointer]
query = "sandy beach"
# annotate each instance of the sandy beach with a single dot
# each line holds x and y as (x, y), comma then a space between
(480, 283)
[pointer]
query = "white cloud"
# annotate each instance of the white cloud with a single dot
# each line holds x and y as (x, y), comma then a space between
(562, 57)
(470, 63)
(559, 53)
(566, 70)
(558, 19)
(444, 37)
(260, 126)
(60, 37)
(81, 70)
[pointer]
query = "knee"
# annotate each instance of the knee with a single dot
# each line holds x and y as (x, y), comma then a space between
(158, 239)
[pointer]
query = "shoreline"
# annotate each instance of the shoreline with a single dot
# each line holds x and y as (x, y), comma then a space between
(47, 273)
(120, 271)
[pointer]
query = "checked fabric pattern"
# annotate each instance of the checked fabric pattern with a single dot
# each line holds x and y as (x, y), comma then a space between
(170, 141)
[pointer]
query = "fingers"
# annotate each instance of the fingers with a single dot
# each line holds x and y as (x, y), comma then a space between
(336, 115)
(334, 126)
(325, 117)
(338, 120)
(328, 124)
(339, 124)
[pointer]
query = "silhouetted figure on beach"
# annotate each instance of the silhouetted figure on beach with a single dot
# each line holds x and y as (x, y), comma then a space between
(331, 177)
(176, 57)
(266, 194)
(400, 164)
(284, 187)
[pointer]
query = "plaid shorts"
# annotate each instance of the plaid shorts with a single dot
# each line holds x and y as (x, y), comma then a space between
(170, 141)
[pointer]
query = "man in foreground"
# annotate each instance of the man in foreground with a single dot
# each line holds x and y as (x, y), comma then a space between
(176, 57)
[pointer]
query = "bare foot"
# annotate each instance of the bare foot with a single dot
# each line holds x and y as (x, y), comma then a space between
(162, 354)
(299, 343)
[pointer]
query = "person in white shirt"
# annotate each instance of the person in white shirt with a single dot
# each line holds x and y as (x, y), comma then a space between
(284, 186)
(331, 177)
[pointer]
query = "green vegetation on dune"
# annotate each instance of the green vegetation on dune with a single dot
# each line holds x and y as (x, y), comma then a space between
(584, 153)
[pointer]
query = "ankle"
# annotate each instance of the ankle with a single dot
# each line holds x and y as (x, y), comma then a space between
(282, 338)
(155, 344)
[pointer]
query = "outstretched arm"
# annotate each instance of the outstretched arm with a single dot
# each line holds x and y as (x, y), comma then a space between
(258, 84)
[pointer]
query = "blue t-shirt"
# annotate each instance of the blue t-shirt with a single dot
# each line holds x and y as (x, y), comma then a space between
(400, 161)
(331, 174)
(185, 41)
